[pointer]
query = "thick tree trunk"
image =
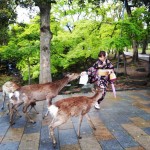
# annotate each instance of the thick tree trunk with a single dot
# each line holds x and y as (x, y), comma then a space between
(45, 38)
(135, 51)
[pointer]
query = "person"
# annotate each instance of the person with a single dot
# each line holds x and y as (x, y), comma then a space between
(100, 81)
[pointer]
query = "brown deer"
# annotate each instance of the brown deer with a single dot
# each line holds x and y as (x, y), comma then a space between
(38, 92)
(8, 89)
(63, 109)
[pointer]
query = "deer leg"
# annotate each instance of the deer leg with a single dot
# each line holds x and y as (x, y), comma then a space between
(53, 125)
(13, 110)
(33, 107)
(80, 121)
(4, 98)
(46, 114)
(35, 110)
(26, 113)
(29, 118)
(9, 109)
(91, 123)
(12, 114)
(49, 102)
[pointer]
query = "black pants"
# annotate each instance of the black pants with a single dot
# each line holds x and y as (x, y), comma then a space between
(103, 96)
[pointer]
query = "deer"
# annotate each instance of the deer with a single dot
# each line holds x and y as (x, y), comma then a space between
(39, 92)
(7, 89)
(63, 109)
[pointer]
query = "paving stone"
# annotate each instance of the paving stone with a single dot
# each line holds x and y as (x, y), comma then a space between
(4, 126)
(30, 142)
(113, 126)
(144, 115)
(66, 125)
(135, 148)
(70, 147)
(102, 133)
(147, 130)
(9, 146)
(121, 123)
(1, 137)
(13, 135)
(142, 107)
(125, 139)
(20, 122)
(89, 143)
(45, 141)
(4, 118)
(95, 118)
(67, 137)
(84, 129)
(140, 122)
(32, 127)
(110, 145)
(138, 134)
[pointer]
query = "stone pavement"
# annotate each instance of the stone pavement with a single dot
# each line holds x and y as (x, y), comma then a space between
(121, 124)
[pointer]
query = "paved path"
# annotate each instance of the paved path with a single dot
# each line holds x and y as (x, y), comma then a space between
(141, 56)
(121, 124)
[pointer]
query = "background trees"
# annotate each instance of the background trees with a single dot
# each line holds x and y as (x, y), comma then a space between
(70, 38)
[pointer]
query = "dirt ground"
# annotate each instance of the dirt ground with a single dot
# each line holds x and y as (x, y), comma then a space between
(137, 75)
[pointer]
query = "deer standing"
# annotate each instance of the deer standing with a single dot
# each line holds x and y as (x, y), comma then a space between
(63, 109)
(38, 92)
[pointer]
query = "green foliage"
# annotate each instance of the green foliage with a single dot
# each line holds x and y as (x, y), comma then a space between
(7, 16)
(78, 35)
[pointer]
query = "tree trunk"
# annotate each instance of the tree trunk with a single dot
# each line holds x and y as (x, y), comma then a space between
(45, 38)
(29, 75)
(135, 51)
(149, 68)
(145, 43)
(125, 64)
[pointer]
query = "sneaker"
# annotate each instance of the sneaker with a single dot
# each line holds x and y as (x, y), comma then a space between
(97, 105)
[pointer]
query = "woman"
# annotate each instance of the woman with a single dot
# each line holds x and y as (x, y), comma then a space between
(100, 81)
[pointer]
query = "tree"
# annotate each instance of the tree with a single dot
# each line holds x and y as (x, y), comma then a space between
(7, 16)
(136, 3)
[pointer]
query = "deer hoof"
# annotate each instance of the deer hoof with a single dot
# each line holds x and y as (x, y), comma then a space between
(44, 116)
(54, 145)
(32, 121)
(12, 123)
(79, 137)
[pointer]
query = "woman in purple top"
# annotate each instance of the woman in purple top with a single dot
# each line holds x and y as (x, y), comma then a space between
(100, 81)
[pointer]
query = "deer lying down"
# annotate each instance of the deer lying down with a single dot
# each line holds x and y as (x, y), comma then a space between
(38, 92)
(63, 109)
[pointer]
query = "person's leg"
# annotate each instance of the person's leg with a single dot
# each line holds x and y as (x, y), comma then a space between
(97, 104)
(103, 96)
